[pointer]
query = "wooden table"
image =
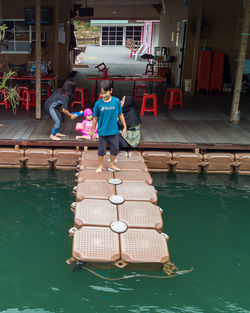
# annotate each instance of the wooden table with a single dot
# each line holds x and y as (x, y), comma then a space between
(31, 78)
(129, 78)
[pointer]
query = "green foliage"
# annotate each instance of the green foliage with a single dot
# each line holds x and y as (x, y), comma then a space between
(87, 25)
(13, 98)
(2, 31)
(77, 23)
(12, 94)
(6, 76)
(3, 27)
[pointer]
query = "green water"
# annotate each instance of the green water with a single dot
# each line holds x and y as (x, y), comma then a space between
(206, 217)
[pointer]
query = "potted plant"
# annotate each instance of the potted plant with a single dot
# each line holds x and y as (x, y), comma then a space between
(12, 95)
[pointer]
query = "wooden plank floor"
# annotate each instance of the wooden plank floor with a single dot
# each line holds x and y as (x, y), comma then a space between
(203, 122)
(196, 125)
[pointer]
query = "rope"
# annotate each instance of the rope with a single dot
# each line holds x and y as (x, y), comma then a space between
(168, 269)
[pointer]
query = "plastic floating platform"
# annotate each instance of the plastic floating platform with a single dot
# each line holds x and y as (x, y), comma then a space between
(102, 244)
(125, 176)
(117, 221)
(93, 212)
(124, 165)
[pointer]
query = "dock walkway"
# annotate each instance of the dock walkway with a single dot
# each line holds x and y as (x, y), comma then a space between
(116, 218)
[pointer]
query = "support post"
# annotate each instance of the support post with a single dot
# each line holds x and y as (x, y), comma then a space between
(56, 46)
(1, 10)
(235, 116)
(38, 59)
(196, 44)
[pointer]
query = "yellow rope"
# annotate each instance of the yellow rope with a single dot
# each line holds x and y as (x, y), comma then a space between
(140, 275)
(168, 268)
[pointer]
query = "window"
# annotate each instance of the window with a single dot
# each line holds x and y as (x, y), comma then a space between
(17, 37)
(112, 36)
(134, 32)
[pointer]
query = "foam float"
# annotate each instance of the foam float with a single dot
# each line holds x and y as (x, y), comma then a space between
(11, 158)
(220, 162)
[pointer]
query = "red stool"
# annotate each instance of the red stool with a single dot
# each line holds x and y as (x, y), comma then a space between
(147, 108)
(20, 90)
(149, 69)
(132, 53)
(29, 99)
(171, 97)
(136, 88)
(81, 97)
(46, 92)
(3, 99)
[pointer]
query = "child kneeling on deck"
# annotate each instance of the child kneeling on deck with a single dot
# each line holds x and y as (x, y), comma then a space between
(106, 112)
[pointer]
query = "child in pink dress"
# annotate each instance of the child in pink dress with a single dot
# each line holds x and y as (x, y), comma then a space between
(86, 126)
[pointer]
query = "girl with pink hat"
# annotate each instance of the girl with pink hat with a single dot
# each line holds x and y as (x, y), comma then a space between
(86, 126)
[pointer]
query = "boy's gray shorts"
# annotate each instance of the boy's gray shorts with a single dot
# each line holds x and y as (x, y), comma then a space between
(113, 141)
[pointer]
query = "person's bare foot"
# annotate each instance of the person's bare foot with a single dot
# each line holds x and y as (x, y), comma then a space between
(83, 137)
(54, 137)
(60, 135)
(115, 168)
(99, 170)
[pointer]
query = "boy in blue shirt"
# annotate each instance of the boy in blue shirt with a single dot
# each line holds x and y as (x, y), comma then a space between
(106, 112)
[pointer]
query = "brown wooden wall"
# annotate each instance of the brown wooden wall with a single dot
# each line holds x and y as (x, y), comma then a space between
(14, 9)
(222, 22)
(175, 12)
(221, 28)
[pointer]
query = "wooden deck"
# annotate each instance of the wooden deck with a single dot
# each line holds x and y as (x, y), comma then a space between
(203, 123)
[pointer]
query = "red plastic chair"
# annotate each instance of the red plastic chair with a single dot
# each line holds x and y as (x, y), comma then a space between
(3, 99)
(29, 99)
(149, 108)
(20, 90)
(138, 87)
(173, 97)
(81, 97)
